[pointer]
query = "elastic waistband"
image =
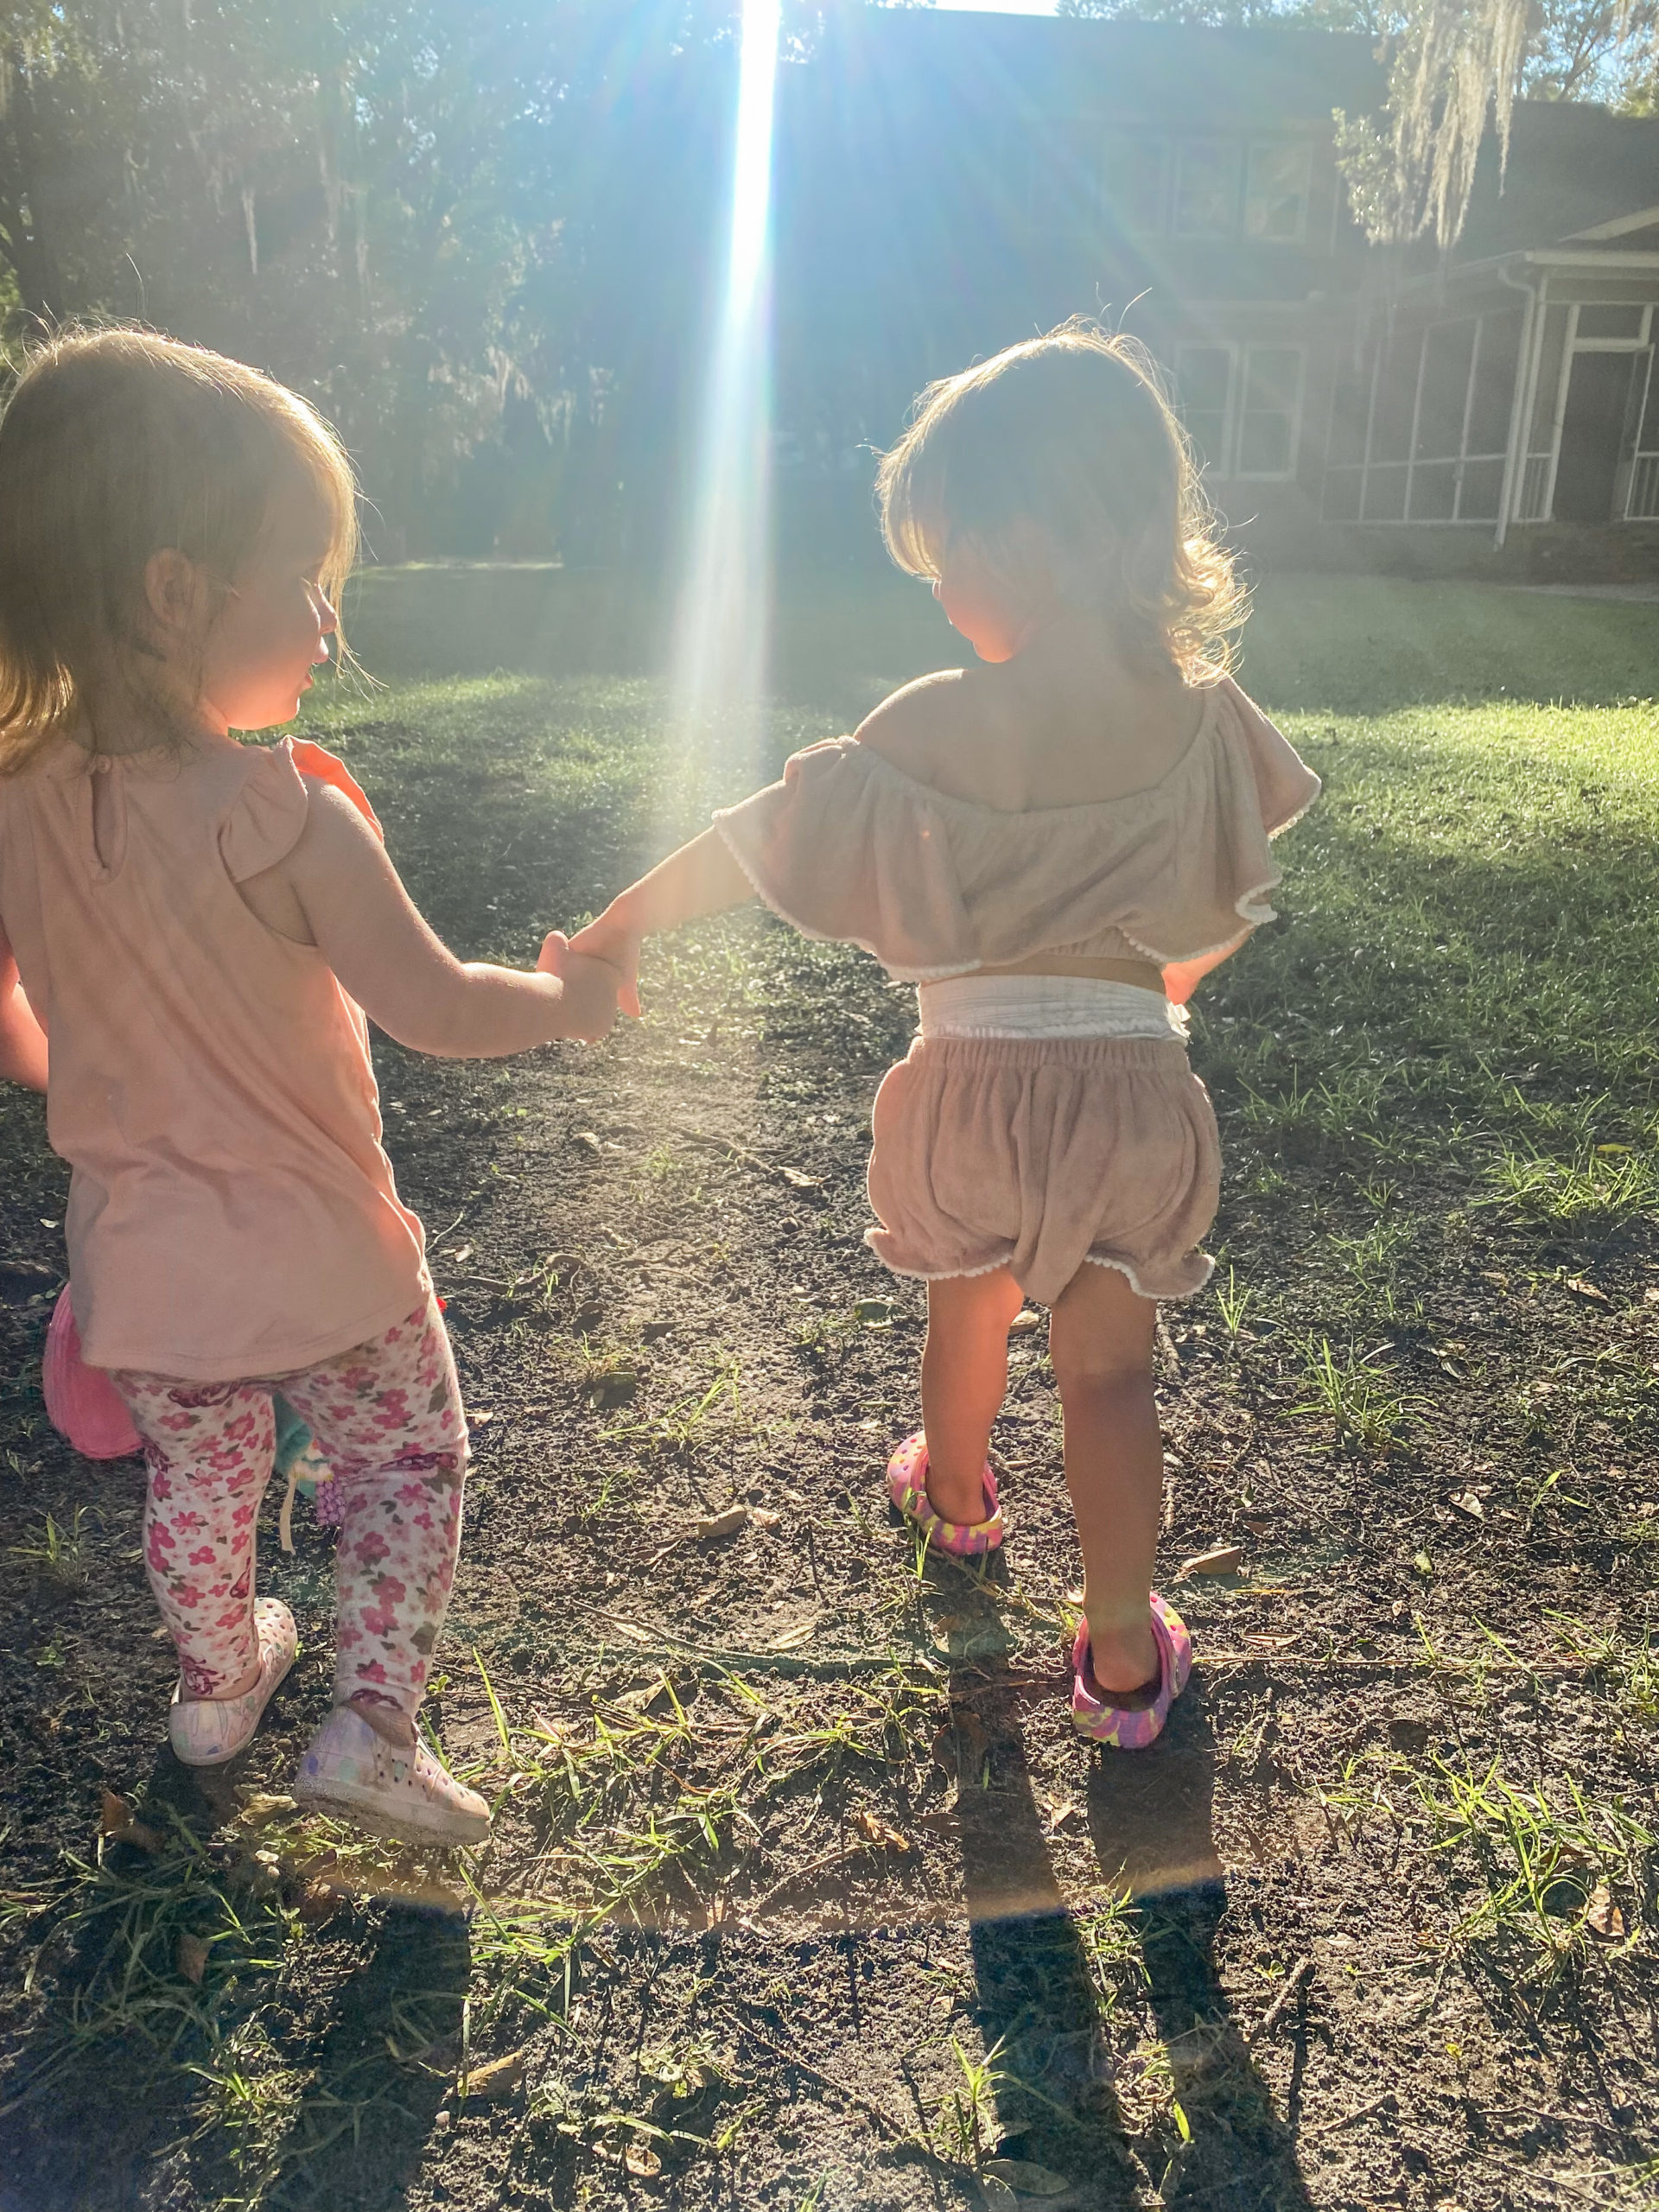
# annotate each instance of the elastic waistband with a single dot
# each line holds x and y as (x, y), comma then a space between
(1046, 1006)
(1156, 1055)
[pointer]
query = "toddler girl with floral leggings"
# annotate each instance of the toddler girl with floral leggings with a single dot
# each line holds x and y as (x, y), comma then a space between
(199, 927)
(1054, 847)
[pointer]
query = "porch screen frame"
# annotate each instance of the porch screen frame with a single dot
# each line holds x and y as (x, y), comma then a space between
(1535, 499)
(1463, 459)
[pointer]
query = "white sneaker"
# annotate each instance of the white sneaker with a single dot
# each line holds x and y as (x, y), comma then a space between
(350, 1770)
(207, 1731)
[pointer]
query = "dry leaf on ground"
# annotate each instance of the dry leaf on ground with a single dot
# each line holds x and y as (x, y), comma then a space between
(722, 1524)
(500, 2078)
(1220, 1559)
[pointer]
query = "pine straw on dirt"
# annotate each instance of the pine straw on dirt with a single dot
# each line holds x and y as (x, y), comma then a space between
(802, 1891)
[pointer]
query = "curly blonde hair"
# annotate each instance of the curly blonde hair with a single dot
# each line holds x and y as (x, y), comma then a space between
(118, 443)
(1071, 435)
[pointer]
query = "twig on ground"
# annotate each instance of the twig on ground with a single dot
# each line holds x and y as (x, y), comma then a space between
(1389, 2099)
(1300, 1973)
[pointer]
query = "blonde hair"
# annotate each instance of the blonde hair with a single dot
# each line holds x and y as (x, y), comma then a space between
(1071, 435)
(116, 444)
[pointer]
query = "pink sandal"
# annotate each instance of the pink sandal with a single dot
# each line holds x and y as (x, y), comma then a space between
(907, 1488)
(1122, 1729)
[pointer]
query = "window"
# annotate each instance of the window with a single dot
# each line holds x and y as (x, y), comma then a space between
(1420, 435)
(1134, 183)
(1206, 189)
(1271, 387)
(1241, 406)
(1276, 193)
(1205, 376)
(1610, 322)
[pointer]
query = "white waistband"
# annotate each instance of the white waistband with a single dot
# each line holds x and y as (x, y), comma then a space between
(1046, 1006)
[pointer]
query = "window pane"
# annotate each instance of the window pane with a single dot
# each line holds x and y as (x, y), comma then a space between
(1203, 373)
(1351, 407)
(1433, 487)
(1448, 350)
(1206, 189)
(1396, 395)
(1264, 445)
(1272, 374)
(1133, 180)
(1275, 200)
(1204, 378)
(1482, 482)
(1495, 361)
(1610, 322)
(1385, 494)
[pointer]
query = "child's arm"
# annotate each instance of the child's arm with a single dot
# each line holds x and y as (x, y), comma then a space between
(348, 897)
(702, 878)
(23, 1040)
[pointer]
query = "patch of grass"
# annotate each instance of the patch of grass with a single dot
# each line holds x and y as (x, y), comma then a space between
(1549, 1864)
(1356, 1393)
(61, 1554)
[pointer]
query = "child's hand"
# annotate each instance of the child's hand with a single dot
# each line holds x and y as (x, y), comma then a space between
(590, 988)
(613, 940)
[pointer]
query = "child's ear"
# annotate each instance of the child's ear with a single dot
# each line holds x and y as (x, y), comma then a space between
(176, 591)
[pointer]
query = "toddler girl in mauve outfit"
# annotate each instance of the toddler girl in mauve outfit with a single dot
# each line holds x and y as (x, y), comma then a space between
(1054, 846)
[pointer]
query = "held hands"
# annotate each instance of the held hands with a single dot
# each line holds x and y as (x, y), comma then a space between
(612, 939)
(588, 1002)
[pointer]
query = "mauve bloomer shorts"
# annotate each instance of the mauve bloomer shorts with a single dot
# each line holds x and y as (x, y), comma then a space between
(1038, 1154)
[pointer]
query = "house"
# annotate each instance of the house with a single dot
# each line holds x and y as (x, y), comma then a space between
(948, 182)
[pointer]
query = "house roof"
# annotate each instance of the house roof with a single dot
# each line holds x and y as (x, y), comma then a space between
(1165, 76)
(1574, 169)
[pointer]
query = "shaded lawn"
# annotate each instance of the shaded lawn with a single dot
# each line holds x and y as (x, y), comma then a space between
(802, 1889)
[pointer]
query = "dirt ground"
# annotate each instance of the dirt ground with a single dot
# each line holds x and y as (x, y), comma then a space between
(804, 1892)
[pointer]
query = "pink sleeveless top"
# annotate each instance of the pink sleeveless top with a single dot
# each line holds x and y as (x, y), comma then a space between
(231, 1213)
(847, 846)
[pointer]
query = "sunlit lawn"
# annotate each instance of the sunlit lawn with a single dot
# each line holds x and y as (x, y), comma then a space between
(1436, 1083)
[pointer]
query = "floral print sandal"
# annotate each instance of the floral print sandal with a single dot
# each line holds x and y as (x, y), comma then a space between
(1123, 1728)
(907, 1488)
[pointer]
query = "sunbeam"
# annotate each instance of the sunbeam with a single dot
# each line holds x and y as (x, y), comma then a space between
(719, 662)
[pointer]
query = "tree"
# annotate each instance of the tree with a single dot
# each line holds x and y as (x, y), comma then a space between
(1453, 66)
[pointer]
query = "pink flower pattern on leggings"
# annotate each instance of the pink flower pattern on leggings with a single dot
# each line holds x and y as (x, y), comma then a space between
(388, 1418)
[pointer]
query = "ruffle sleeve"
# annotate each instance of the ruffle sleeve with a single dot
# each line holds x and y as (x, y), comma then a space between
(847, 846)
(264, 819)
(1286, 786)
(843, 850)
(268, 811)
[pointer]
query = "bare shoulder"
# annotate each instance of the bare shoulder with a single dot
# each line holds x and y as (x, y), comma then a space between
(913, 725)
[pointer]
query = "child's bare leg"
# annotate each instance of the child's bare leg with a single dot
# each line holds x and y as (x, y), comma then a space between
(964, 1380)
(1100, 1338)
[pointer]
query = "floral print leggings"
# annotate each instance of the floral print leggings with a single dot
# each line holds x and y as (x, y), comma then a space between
(388, 1418)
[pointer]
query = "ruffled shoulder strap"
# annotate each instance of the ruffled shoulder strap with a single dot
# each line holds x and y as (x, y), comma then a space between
(1286, 786)
(265, 817)
(846, 851)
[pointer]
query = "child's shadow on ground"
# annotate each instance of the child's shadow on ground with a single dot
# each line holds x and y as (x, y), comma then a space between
(1082, 2102)
(386, 2064)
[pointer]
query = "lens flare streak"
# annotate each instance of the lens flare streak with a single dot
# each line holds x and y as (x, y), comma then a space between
(723, 616)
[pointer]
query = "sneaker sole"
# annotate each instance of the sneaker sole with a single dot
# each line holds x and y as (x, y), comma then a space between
(224, 1759)
(368, 1812)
